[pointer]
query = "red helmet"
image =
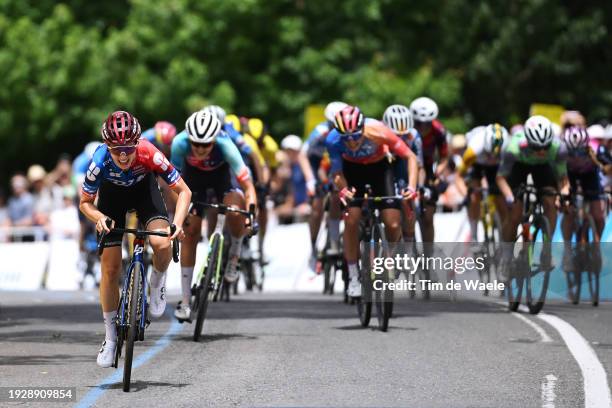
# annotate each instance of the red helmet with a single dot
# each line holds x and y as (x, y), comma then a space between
(121, 128)
(349, 120)
(165, 132)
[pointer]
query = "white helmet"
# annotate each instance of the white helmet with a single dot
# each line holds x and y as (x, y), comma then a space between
(494, 137)
(291, 142)
(398, 118)
(216, 110)
(424, 109)
(202, 127)
(539, 131)
(332, 108)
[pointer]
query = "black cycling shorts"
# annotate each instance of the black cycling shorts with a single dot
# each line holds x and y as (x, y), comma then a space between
(144, 197)
(378, 175)
(209, 186)
(478, 171)
(543, 176)
(590, 183)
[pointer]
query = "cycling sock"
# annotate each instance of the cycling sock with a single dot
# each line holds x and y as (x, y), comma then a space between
(473, 229)
(109, 325)
(334, 231)
(353, 270)
(236, 246)
(186, 276)
(158, 279)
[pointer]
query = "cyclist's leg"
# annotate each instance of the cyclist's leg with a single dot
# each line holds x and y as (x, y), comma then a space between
(193, 234)
(567, 228)
(333, 221)
(152, 213)
(113, 201)
(236, 225)
(591, 184)
(475, 197)
(545, 180)
(316, 216)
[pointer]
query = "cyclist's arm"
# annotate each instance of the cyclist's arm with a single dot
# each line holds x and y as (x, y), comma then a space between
(507, 162)
(179, 150)
(469, 157)
(307, 171)
(182, 203)
(250, 197)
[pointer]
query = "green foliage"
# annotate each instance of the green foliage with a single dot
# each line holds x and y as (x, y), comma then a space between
(65, 66)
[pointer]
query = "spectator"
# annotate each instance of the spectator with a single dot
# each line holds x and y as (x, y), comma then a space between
(21, 205)
(41, 194)
(64, 222)
(59, 177)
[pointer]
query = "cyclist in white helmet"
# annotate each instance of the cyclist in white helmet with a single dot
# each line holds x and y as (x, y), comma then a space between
(211, 164)
(535, 151)
(314, 150)
(481, 160)
(399, 119)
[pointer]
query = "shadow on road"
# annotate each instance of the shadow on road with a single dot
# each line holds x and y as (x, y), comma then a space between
(54, 359)
(140, 385)
(209, 338)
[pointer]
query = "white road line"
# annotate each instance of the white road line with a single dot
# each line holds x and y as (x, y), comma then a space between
(548, 391)
(545, 338)
(596, 389)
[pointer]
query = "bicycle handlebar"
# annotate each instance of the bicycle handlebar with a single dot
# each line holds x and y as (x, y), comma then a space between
(141, 233)
(250, 214)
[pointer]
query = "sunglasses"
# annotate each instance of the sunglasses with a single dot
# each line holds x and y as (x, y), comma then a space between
(353, 137)
(123, 150)
(201, 145)
(539, 148)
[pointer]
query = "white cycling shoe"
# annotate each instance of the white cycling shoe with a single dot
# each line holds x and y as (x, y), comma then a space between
(354, 288)
(106, 355)
(231, 273)
(157, 303)
(183, 312)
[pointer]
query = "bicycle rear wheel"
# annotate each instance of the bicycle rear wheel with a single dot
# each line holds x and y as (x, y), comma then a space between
(593, 266)
(204, 289)
(516, 280)
(540, 264)
(133, 323)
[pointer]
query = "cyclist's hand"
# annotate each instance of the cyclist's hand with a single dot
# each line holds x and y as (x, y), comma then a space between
(346, 194)
(311, 188)
(101, 226)
(409, 194)
(178, 233)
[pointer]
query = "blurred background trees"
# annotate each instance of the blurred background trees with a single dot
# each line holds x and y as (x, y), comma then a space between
(65, 65)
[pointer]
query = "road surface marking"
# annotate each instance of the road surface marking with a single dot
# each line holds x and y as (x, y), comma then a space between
(596, 388)
(548, 391)
(92, 396)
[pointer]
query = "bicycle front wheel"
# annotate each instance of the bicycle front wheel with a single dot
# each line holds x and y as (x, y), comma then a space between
(133, 296)
(204, 289)
(540, 265)
(383, 297)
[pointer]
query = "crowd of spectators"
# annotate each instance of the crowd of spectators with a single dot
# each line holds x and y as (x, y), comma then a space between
(41, 205)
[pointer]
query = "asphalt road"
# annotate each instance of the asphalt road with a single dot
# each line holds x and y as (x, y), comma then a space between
(299, 349)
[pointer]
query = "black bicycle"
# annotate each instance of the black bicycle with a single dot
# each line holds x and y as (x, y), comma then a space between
(585, 251)
(374, 244)
(531, 267)
(209, 282)
(132, 318)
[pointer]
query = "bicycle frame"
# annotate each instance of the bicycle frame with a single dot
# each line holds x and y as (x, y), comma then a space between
(137, 258)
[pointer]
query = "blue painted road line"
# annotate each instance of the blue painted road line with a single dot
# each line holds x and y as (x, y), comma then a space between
(92, 396)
